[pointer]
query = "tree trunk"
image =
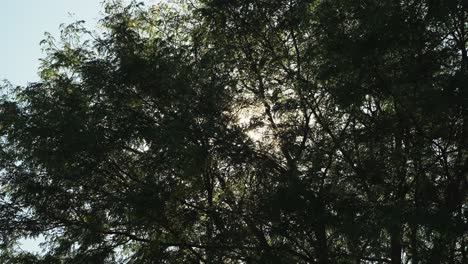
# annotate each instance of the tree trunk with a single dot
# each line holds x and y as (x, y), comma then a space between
(414, 244)
(321, 234)
(395, 246)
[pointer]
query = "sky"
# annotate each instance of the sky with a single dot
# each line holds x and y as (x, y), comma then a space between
(22, 26)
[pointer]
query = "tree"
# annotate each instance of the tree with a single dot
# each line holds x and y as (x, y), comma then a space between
(244, 132)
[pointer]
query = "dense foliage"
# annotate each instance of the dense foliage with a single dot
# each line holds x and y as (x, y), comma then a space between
(299, 131)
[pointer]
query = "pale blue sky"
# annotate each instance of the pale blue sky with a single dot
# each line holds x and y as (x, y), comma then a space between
(22, 27)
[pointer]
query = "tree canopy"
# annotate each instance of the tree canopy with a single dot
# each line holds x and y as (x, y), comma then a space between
(213, 131)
